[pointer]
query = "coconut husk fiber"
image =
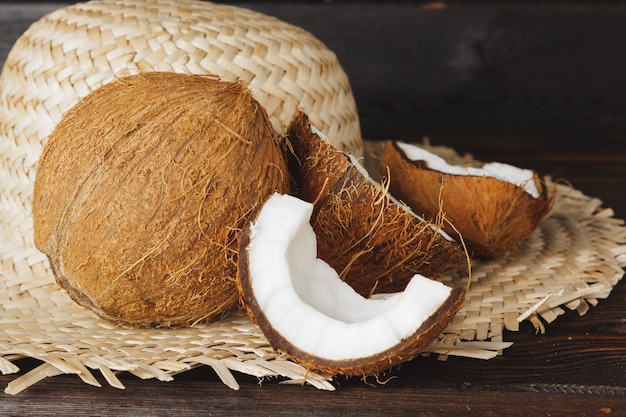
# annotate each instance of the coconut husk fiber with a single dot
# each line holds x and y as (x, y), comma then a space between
(140, 208)
(373, 242)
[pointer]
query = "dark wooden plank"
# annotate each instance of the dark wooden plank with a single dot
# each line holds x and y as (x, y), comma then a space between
(69, 396)
(462, 67)
(489, 68)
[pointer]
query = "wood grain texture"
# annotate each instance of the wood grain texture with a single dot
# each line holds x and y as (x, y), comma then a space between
(537, 85)
(489, 68)
(461, 67)
(198, 398)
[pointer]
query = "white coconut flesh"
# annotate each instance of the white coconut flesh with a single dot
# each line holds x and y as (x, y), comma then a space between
(310, 306)
(498, 170)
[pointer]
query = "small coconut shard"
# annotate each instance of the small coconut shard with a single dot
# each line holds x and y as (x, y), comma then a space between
(142, 191)
(307, 311)
(493, 207)
(376, 244)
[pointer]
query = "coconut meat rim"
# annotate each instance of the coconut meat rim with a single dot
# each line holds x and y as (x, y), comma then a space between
(310, 306)
(504, 172)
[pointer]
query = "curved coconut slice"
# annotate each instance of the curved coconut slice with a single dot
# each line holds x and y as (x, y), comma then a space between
(375, 243)
(308, 312)
(493, 207)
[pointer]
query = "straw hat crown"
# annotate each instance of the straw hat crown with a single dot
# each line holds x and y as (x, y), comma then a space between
(72, 51)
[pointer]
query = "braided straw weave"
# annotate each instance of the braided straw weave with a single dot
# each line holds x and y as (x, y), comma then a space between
(72, 51)
(572, 260)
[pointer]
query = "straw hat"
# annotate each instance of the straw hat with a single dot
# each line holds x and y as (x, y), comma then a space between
(72, 51)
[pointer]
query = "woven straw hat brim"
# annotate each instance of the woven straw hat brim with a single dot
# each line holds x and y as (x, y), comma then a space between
(573, 259)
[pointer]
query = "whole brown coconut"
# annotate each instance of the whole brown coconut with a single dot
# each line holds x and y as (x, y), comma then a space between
(491, 215)
(375, 243)
(142, 191)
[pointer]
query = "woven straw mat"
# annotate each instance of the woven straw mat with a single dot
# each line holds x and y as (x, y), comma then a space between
(571, 261)
(72, 51)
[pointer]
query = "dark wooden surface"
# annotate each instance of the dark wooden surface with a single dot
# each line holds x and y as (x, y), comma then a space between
(538, 85)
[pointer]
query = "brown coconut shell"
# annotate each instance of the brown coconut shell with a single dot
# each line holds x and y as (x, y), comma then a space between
(374, 243)
(491, 215)
(406, 350)
(142, 191)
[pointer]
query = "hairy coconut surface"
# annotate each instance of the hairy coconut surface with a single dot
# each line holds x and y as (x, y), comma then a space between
(142, 190)
(376, 244)
(493, 207)
(308, 312)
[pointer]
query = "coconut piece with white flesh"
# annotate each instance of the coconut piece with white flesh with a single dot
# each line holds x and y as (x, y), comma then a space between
(375, 243)
(305, 309)
(493, 206)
